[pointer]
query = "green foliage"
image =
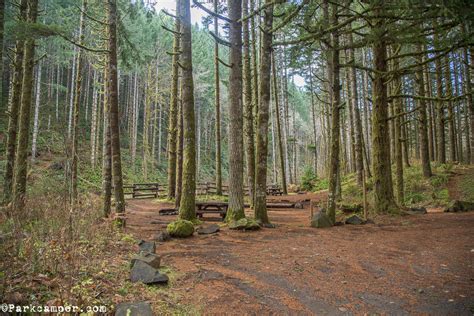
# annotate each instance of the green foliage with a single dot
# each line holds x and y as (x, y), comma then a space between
(321, 184)
(180, 228)
(309, 179)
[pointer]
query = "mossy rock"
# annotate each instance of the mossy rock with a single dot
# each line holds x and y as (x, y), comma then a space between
(244, 224)
(180, 228)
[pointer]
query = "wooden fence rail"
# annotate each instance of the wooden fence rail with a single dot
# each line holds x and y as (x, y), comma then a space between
(155, 190)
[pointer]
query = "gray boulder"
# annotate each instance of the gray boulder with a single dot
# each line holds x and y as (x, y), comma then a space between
(207, 230)
(142, 272)
(460, 206)
(354, 220)
(321, 220)
(134, 309)
(153, 260)
(147, 246)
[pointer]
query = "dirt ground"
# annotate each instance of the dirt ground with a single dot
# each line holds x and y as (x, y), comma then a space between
(419, 264)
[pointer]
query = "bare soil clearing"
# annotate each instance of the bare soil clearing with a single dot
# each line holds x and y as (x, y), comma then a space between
(421, 264)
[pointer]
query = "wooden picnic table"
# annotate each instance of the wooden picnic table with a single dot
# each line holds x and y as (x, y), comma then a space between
(211, 207)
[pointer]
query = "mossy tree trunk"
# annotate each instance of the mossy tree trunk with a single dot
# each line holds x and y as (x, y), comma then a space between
(281, 153)
(440, 117)
(106, 155)
(469, 105)
(248, 107)
(75, 116)
(172, 115)
(382, 173)
(236, 140)
(217, 103)
(451, 118)
(262, 122)
(21, 162)
(14, 108)
(359, 163)
(422, 117)
(397, 126)
(113, 107)
(335, 90)
(188, 198)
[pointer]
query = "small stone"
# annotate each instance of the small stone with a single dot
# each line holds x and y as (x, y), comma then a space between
(142, 272)
(134, 309)
(153, 260)
(343, 309)
(354, 220)
(210, 229)
(321, 220)
(299, 205)
(162, 237)
(421, 291)
(147, 246)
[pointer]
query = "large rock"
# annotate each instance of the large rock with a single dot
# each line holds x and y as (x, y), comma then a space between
(134, 309)
(147, 246)
(354, 220)
(180, 228)
(321, 220)
(460, 206)
(244, 224)
(153, 260)
(142, 272)
(207, 230)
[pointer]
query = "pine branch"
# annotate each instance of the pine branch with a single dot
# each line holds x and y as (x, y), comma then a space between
(224, 63)
(214, 14)
(169, 14)
(172, 31)
(220, 40)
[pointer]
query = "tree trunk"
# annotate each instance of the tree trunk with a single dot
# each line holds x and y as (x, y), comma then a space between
(383, 188)
(172, 115)
(113, 108)
(262, 123)
(236, 144)
(333, 76)
(188, 198)
(248, 108)
(423, 122)
(397, 123)
(75, 116)
(15, 104)
(179, 154)
(357, 120)
(106, 156)
(469, 104)
(278, 126)
(449, 93)
(441, 147)
(36, 113)
(218, 106)
(21, 162)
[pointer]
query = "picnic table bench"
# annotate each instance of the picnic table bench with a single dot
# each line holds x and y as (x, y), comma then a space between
(211, 207)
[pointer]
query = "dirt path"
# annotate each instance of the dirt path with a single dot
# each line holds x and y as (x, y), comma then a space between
(412, 265)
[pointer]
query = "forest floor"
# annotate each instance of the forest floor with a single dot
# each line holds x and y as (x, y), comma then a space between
(418, 264)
